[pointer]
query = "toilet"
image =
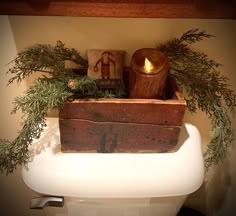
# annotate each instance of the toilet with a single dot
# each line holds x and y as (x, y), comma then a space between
(117, 184)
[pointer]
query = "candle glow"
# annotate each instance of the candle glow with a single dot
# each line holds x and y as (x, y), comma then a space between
(148, 67)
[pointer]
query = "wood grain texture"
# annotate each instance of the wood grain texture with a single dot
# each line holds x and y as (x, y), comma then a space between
(126, 110)
(116, 137)
(122, 125)
(149, 111)
(121, 8)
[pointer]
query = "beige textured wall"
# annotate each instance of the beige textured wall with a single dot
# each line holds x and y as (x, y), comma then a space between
(216, 197)
(14, 195)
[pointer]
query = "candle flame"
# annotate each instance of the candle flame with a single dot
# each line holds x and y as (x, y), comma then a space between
(148, 66)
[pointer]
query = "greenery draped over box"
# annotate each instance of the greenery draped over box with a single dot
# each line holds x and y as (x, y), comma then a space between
(204, 87)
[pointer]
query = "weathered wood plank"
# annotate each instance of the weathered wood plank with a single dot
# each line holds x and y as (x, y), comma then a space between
(122, 8)
(125, 110)
(109, 137)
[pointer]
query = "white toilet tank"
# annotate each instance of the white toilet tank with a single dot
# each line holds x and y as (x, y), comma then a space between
(165, 206)
(116, 184)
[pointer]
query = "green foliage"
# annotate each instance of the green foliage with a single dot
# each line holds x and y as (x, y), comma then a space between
(44, 58)
(205, 88)
(84, 87)
(112, 93)
(45, 95)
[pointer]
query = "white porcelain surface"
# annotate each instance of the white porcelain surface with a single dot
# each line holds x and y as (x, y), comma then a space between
(114, 175)
(168, 206)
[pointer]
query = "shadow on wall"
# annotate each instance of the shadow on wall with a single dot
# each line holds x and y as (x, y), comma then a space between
(212, 195)
(44, 142)
(220, 176)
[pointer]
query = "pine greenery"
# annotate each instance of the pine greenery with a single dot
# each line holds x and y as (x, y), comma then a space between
(46, 59)
(45, 95)
(205, 89)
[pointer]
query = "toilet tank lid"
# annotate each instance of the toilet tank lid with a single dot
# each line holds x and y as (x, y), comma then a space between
(120, 175)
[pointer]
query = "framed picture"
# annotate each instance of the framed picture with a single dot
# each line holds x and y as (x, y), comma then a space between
(107, 67)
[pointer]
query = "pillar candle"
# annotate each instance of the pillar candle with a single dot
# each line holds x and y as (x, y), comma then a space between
(148, 73)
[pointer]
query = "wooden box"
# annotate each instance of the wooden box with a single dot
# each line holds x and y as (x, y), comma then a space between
(122, 125)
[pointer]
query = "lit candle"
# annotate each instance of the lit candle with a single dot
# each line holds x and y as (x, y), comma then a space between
(148, 73)
(148, 67)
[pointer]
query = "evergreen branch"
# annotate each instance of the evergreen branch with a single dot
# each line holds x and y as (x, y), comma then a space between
(205, 88)
(45, 95)
(193, 36)
(46, 58)
(83, 86)
(114, 93)
(221, 137)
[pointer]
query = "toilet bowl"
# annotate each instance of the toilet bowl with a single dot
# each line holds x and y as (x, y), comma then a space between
(118, 184)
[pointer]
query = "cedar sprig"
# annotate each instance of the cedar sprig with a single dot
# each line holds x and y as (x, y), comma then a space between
(83, 86)
(47, 94)
(205, 89)
(44, 58)
(112, 93)
(193, 36)
(86, 87)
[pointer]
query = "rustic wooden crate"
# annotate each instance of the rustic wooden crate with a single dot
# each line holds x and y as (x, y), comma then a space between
(123, 125)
